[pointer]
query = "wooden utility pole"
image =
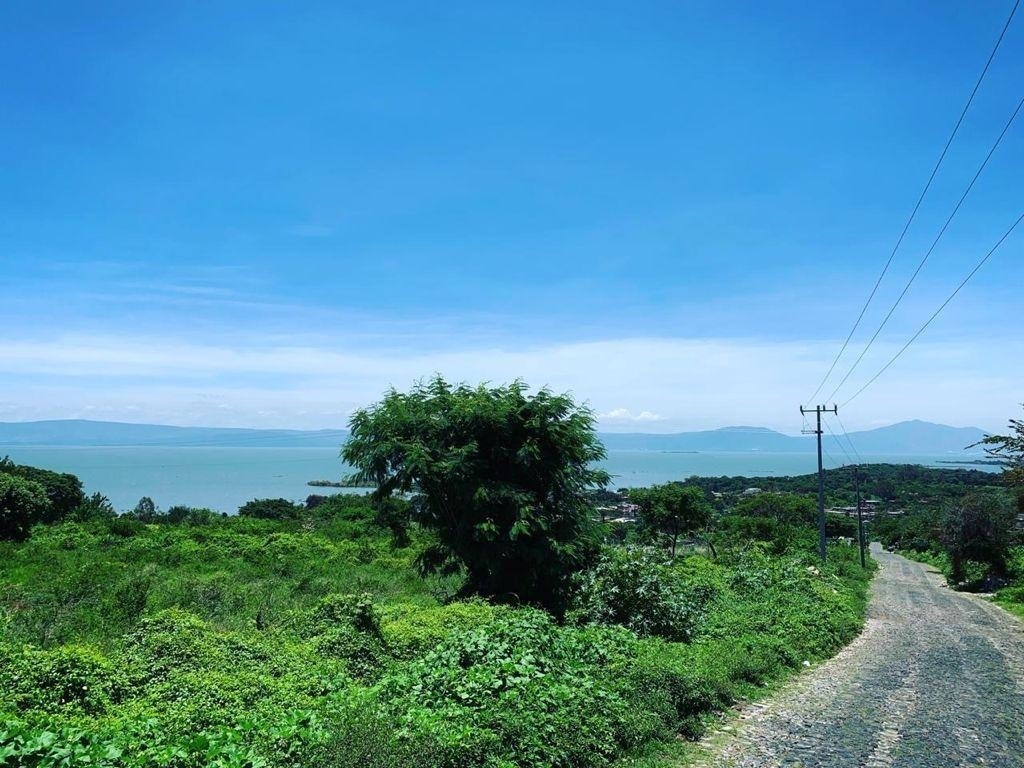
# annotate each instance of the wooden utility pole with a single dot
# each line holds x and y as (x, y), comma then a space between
(818, 410)
(860, 513)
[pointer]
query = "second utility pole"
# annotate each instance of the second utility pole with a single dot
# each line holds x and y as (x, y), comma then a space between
(818, 410)
(860, 513)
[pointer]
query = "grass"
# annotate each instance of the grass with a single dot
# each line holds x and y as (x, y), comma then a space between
(1011, 598)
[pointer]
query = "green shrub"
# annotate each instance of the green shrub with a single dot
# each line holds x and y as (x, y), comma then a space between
(784, 508)
(270, 509)
(170, 642)
(1012, 594)
(346, 506)
(347, 627)
(125, 527)
(71, 677)
(408, 630)
(498, 474)
(684, 685)
(355, 611)
(519, 689)
(639, 589)
(23, 503)
(62, 491)
(182, 514)
(755, 528)
(128, 597)
(362, 654)
(95, 507)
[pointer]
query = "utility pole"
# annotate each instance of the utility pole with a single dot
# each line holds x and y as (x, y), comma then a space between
(860, 513)
(818, 410)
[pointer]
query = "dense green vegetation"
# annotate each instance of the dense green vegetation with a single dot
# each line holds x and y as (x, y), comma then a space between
(314, 642)
(908, 487)
(977, 538)
(471, 612)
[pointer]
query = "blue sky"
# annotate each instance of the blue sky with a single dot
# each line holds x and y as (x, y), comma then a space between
(262, 214)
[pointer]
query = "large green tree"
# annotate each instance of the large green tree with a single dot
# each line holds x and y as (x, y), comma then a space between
(978, 528)
(23, 503)
(672, 509)
(270, 509)
(63, 490)
(498, 474)
(785, 508)
(1008, 450)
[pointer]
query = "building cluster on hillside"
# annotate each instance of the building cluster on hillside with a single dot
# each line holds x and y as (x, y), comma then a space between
(620, 512)
(870, 508)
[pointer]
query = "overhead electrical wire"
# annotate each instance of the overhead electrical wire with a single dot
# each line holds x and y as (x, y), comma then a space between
(838, 442)
(835, 464)
(846, 434)
(928, 253)
(920, 199)
(935, 314)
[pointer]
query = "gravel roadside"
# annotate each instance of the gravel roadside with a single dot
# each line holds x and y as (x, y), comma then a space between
(936, 679)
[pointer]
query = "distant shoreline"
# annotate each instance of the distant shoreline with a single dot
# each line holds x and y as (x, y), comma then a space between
(344, 483)
(983, 462)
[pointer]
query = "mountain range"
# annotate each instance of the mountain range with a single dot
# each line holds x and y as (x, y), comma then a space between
(906, 437)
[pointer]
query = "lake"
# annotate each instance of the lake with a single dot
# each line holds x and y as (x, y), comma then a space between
(223, 478)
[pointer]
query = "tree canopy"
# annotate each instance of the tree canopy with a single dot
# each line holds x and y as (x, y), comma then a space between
(270, 509)
(978, 528)
(63, 491)
(785, 508)
(672, 509)
(499, 475)
(23, 503)
(1008, 450)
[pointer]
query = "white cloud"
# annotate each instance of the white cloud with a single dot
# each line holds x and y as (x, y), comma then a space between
(624, 415)
(682, 383)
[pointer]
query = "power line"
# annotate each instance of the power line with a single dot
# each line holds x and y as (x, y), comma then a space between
(835, 464)
(928, 253)
(860, 459)
(920, 199)
(839, 443)
(942, 306)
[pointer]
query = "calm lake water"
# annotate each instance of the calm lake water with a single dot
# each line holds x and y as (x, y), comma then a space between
(225, 478)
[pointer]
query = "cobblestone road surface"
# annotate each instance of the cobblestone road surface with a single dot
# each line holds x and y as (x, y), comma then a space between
(936, 679)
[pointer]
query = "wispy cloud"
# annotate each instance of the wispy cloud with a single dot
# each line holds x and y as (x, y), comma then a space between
(625, 416)
(185, 289)
(681, 383)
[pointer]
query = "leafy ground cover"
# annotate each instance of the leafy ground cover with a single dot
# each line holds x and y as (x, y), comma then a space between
(312, 641)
